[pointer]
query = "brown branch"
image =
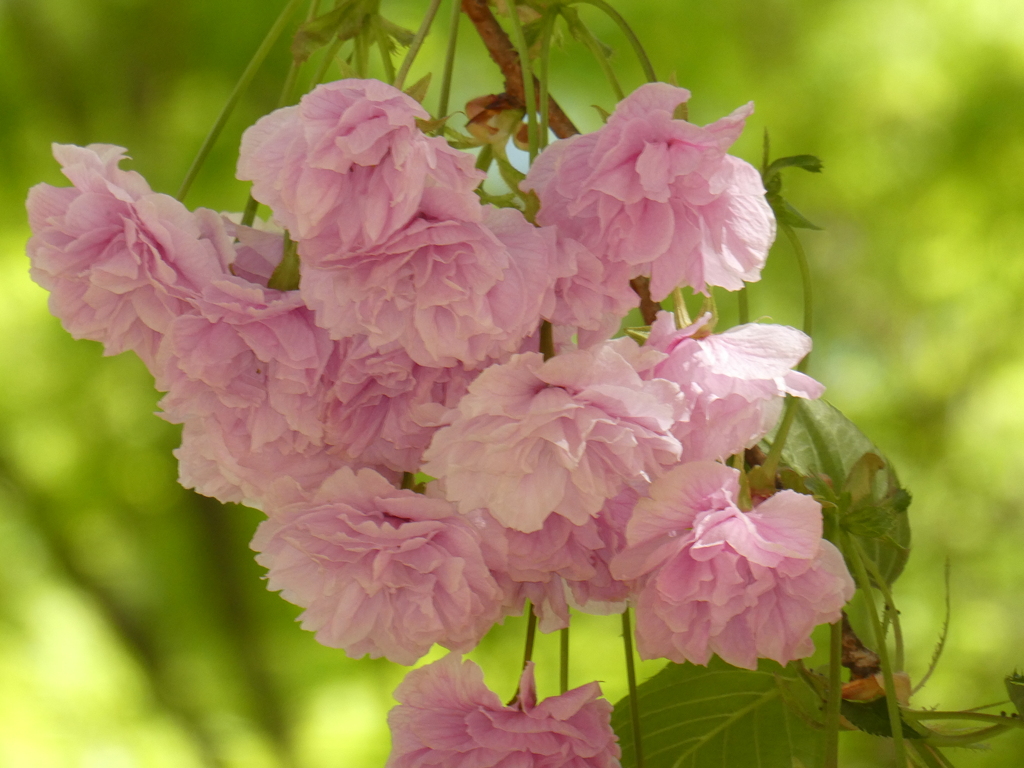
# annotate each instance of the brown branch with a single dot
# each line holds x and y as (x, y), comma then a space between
(649, 308)
(859, 659)
(505, 56)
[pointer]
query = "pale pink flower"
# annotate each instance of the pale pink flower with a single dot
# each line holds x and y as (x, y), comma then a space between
(659, 194)
(535, 437)
(714, 579)
(448, 717)
(120, 261)
(450, 292)
(380, 571)
(595, 297)
(220, 457)
(562, 565)
(734, 382)
(384, 408)
(347, 167)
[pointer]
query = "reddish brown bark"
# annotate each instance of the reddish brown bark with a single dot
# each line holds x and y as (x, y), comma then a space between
(505, 56)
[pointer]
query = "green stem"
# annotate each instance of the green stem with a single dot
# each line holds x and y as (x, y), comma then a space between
(891, 702)
(249, 215)
(598, 52)
(563, 665)
(531, 634)
(325, 63)
(243, 82)
(384, 48)
(362, 55)
(835, 696)
(485, 158)
(293, 70)
(251, 205)
(449, 58)
(679, 310)
(545, 55)
(964, 739)
(771, 463)
(641, 54)
(930, 758)
(926, 714)
(408, 481)
(744, 302)
(890, 606)
(805, 279)
(417, 43)
(519, 40)
(634, 705)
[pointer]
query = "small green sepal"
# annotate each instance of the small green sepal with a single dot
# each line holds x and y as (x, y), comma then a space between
(418, 90)
(1015, 688)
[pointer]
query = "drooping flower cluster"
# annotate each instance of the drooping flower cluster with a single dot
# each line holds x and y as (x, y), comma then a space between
(414, 340)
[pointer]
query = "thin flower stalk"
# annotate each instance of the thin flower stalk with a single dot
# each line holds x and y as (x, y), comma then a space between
(417, 43)
(449, 58)
(892, 704)
(530, 96)
(634, 41)
(243, 82)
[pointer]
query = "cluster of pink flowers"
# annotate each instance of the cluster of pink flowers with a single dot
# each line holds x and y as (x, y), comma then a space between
(587, 480)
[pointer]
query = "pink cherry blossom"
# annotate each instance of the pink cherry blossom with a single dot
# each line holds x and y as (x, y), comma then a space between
(120, 261)
(380, 571)
(347, 167)
(659, 194)
(595, 296)
(562, 565)
(450, 292)
(384, 408)
(734, 382)
(535, 437)
(448, 717)
(711, 578)
(220, 457)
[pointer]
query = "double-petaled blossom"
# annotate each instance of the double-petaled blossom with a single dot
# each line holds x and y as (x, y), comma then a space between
(384, 408)
(380, 571)
(450, 292)
(120, 261)
(448, 717)
(245, 368)
(711, 578)
(562, 565)
(347, 167)
(734, 382)
(563, 436)
(659, 194)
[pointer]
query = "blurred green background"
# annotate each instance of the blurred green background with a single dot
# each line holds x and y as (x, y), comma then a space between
(134, 628)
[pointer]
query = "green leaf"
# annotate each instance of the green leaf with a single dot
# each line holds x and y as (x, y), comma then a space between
(401, 35)
(343, 22)
(807, 162)
(718, 717)
(824, 447)
(1015, 688)
(873, 717)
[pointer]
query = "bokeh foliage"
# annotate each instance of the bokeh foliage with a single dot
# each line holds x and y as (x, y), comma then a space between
(134, 628)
